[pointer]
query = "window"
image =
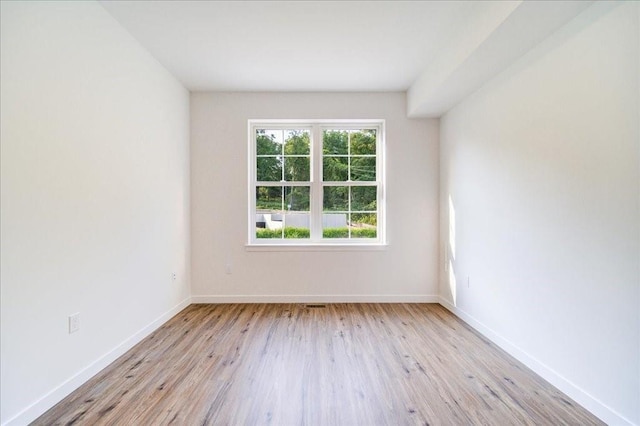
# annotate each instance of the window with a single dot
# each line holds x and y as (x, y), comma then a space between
(316, 183)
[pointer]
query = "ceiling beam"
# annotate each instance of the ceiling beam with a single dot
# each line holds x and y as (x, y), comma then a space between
(503, 32)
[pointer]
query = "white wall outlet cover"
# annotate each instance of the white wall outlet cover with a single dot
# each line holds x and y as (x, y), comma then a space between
(74, 322)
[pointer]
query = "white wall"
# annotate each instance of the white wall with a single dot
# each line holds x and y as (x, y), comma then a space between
(542, 167)
(95, 197)
(406, 270)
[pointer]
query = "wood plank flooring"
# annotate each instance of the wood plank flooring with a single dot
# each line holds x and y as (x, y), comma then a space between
(344, 364)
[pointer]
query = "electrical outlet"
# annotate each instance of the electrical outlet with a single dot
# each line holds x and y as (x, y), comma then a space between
(74, 322)
(227, 268)
(467, 281)
(173, 276)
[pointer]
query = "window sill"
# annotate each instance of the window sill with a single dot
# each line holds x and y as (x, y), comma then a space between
(316, 247)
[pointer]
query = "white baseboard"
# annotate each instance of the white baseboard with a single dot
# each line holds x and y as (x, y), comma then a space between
(319, 298)
(56, 395)
(596, 407)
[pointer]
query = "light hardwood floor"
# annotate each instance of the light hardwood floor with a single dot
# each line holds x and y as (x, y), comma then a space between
(344, 364)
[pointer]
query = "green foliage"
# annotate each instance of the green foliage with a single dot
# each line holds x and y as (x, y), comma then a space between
(364, 218)
(273, 156)
(363, 233)
(270, 205)
(289, 232)
(268, 233)
(344, 232)
(363, 168)
(266, 144)
(296, 198)
(335, 198)
(297, 143)
(338, 160)
(268, 198)
(335, 169)
(335, 232)
(292, 232)
(363, 142)
(334, 142)
(269, 169)
(297, 168)
(364, 198)
(276, 161)
(349, 155)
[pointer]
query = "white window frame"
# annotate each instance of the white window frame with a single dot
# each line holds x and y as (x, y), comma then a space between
(316, 184)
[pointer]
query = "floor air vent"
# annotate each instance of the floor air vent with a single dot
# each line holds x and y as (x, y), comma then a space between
(315, 305)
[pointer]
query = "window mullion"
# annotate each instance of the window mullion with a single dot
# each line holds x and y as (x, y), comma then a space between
(282, 173)
(348, 183)
(380, 183)
(316, 184)
(252, 183)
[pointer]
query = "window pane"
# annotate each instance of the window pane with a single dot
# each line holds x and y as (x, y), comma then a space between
(269, 142)
(364, 225)
(296, 198)
(296, 169)
(335, 169)
(363, 168)
(269, 169)
(296, 225)
(297, 142)
(363, 142)
(268, 198)
(334, 142)
(334, 225)
(364, 198)
(268, 212)
(336, 198)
